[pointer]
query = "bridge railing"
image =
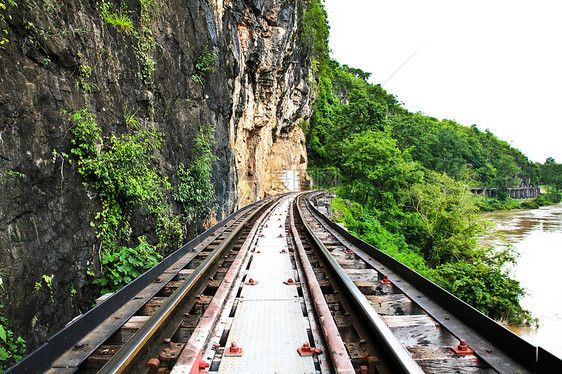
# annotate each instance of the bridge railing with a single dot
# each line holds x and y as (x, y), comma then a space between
(514, 192)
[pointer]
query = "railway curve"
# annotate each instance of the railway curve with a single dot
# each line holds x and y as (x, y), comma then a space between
(279, 287)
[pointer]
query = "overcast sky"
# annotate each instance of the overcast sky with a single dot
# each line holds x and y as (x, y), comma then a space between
(494, 63)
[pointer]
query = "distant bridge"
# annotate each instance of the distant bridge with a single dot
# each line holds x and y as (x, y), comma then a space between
(514, 193)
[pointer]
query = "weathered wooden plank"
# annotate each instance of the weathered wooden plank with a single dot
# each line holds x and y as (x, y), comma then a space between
(336, 249)
(128, 329)
(183, 274)
(362, 275)
(152, 306)
(438, 360)
(411, 336)
(443, 360)
(100, 357)
(419, 330)
(394, 304)
(408, 321)
(350, 263)
(375, 288)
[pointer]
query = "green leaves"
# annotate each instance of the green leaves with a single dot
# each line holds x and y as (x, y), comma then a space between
(375, 168)
(486, 287)
(195, 189)
(204, 65)
(125, 264)
(315, 31)
(119, 169)
(12, 349)
(407, 178)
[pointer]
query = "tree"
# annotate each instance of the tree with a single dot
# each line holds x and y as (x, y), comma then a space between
(507, 171)
(552, 173)
(446, 207)
(375, 168)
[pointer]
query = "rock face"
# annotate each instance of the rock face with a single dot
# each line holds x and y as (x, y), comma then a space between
(63, 56)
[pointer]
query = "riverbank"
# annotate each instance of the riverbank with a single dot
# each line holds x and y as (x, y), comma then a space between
(490, 204)
(536, 235)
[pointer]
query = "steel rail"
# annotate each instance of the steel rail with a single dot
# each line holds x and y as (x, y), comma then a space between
(57, 345)
(500, 348)
(124, 357)
(338, 353)
(191, 355)
(400, 357)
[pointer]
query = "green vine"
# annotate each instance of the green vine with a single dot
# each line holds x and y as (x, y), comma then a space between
(196, 190)
(118, 169)
(144, 47)
(120, 19)
(12, 349)
(204, 65)
(146, 42)
(9, 174)
(49, 282)
(4, 4)
(122, 266)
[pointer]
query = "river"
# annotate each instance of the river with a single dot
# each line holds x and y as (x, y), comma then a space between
(537, 235)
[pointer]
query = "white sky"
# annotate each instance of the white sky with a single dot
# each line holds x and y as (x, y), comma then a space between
(494, 63)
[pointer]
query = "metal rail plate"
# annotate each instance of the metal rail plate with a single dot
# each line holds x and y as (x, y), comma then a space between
(269, 324)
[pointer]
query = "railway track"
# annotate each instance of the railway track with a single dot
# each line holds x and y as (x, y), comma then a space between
(277, 287)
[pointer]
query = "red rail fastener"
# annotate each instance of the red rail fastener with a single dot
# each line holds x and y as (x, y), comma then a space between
(280, 236)
(349, 252)
(251, 282)
(306, 350)
(233, 351)
(462, 349)
(290, 281)
(385, 280)
(266, 225)
(203, 364)
(153, 364)
(280, 226)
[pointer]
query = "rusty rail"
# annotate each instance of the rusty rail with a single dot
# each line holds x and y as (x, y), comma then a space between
(401, 359)
(338, 352)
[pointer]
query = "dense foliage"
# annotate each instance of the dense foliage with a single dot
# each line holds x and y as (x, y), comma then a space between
(347, 104)
(195, 190)
(405, 181)
(314, 33)
(118, 169)
(12, 347)
(204, 65)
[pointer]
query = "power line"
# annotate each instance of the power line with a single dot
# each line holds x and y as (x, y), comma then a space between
(400, 67)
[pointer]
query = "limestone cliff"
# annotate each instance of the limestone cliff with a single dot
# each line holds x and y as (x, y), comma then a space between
(63, 56)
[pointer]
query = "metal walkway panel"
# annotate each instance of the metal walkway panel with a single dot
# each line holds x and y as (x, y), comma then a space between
(270, 268)
(269, 324)
(269, 333)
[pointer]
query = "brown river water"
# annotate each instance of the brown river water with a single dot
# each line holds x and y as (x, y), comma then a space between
(537, 235)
